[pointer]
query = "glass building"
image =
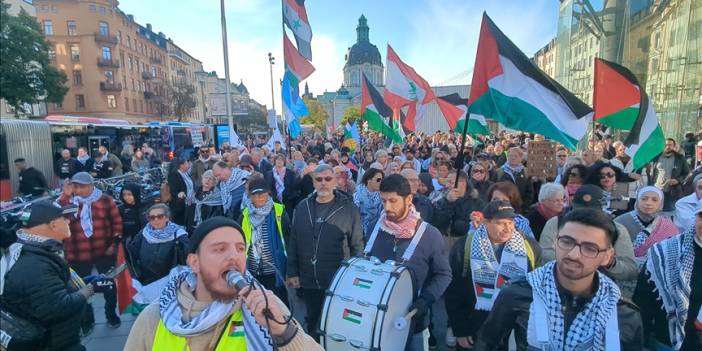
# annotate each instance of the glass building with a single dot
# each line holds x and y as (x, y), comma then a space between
(660, 41)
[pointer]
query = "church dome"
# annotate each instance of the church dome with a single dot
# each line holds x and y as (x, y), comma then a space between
(363, 51)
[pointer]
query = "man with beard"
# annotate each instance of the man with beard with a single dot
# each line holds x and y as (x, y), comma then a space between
(326, 229)
(66, 166)
(568, 304)
(482, 263)
(668, 172)
(231, 186)
(198, 310)
(203, 163)
(669, 292)
(402, 236)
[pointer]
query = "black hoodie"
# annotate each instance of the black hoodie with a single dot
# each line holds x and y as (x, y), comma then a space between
(132, 215)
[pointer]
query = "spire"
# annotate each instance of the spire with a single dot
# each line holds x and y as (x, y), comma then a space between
(362, 29)
(307, 89)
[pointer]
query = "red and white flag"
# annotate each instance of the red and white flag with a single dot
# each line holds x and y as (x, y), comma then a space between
(404, 87)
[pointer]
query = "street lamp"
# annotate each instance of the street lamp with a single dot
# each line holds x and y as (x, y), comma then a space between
(271, 61)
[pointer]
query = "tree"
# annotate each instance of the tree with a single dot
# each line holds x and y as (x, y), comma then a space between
(26, 75)
(182, 98)
(351, 114)
(317, 116)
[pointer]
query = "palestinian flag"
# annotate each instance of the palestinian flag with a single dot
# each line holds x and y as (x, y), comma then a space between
(510, 89)
(352, 316)
(404, 87)
(621, 102)
(484, 290)
(295, 17)
(378, 115)
(236, 328)
(294, 62)
(457, 107)
(362, 283)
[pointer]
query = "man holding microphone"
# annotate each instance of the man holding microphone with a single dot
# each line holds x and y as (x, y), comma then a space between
(199, 310)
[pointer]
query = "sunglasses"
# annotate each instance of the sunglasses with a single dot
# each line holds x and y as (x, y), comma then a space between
(326, 179)
(378, 179)
(575, 175)
(607, 175)
(155, 217)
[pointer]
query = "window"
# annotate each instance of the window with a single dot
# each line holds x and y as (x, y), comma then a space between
(111, 101)
(129, 41)
(80, 101)
(103, 10)
(91, 7)
(153, 71)
(58, 105)
(75, 52)
(131, 63)
(77, 77)
(121, 59)
(52, 54)
(109, 76)
(126, 104)
(141, 106)
(134, 105)
(119, 36)
(133, 85)
(104, 29)
(106, 53)
(71, 28)
(48, 28)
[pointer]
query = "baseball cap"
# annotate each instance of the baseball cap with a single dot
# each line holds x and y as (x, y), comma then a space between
(82, 178)
(588, 195)
(209, 225)
(257, 185)
(499, 210)
(45, 211)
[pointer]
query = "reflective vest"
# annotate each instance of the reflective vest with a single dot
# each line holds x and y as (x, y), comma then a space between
(246, 225)
(233, 337)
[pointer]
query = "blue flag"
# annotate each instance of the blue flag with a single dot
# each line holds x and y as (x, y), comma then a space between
(293, 106)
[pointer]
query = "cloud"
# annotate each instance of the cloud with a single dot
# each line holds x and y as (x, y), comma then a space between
(327, 58)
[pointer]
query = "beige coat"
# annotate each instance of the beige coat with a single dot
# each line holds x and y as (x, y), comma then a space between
(141, 336)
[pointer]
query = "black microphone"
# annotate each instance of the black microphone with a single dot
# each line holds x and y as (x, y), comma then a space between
(236, 280)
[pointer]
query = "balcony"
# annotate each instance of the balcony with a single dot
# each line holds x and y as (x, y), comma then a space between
(150, 95)
(110, 86)
(155, 60)
(108, 63)
(147, 76)
(106, 39)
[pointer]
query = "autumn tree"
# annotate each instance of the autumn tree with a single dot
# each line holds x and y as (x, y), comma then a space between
(352, 114)
(317, 114)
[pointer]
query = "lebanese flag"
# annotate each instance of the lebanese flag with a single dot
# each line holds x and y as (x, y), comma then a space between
(510, 89)
(378, 115)
(620, 102)
(294, 62)
(404, 87)
(295, 17)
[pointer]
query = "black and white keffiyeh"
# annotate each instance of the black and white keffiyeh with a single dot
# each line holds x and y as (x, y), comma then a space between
(257, 338)
(669, 265)
(86, 210)
(158, 236)
(211, 198)
(258, 215)
(489, 275)
(596, 327)
(237, 179)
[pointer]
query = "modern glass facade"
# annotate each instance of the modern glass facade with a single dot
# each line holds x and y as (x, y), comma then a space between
(660, 41)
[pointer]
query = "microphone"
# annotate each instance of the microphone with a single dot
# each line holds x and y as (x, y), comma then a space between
(236, 280)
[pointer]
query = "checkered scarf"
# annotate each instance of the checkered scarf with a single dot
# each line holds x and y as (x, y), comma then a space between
(489, 275)
(594, 328)
(670, 267)
(237, 179)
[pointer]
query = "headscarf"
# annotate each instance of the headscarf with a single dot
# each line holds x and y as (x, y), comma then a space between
(648, 189)
(428, 182)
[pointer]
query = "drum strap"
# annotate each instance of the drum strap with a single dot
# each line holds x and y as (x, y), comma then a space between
(410, 249)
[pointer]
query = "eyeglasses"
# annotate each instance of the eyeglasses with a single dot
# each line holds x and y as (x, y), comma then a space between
(561, 156)
(378, 180)
(588, 250)
(574, 175)
(607, 175)
(326, 179)
(155, 217)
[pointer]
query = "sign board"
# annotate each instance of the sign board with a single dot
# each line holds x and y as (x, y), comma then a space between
(218, 105)
(196, 136)
(541, 159)
(272, 120)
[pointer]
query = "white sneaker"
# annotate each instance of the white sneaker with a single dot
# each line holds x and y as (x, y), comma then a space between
(450, 339)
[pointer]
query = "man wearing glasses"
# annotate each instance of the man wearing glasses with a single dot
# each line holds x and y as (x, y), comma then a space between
(204, 162)
(326, 229)
(568, 304)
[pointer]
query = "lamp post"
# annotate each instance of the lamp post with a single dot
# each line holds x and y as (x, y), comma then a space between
(230, 118)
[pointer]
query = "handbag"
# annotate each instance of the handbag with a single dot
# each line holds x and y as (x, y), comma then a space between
(17, 333)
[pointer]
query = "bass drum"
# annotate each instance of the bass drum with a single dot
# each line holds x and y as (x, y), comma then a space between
(365, 306)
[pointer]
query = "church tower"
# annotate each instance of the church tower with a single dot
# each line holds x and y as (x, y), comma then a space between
(363, 57)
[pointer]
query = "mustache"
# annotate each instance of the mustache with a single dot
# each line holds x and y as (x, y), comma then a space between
(578, 263)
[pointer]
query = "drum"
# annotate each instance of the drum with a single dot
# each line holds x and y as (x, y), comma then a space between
(365, 306)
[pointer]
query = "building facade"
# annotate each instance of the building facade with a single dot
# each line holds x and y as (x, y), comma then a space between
(249, 115)
(545, 58)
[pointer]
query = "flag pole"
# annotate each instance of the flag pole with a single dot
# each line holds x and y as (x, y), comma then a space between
(230, 118)
(286, 128)
(461, 155)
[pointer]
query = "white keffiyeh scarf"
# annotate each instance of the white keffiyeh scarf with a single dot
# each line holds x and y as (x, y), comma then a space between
(489, 275)
(86, 210)
(189, 187)
(257, 337)
(14, 251)
(511, 171)
(670, 264)
(279, 183)
(595, 328)
(212, 198)
(158, 236)
(237, 179)
(257, 216)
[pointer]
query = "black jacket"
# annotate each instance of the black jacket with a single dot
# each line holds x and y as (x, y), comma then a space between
(338, 237)
(290, 194)
(460, 296)
(523, 183)
(654, 317)
(305, 187)
(536, 221)
(176, 185)
(150, 262)
(133, 217)
(424, 206)
(206, 211)
(453, 218)
(482, 188)
(101, 169)
(67, 168)
(37, 289)
(32, 182)
(511, 312)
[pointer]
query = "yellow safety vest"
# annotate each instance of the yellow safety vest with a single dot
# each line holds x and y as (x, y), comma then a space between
(233, 337)
(246, 225)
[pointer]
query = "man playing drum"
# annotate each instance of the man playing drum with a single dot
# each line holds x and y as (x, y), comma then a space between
(392, 239)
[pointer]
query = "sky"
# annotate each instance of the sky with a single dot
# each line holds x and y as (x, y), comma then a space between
(436, 37)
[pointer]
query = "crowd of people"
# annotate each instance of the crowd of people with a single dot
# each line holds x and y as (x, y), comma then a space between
(598, 257)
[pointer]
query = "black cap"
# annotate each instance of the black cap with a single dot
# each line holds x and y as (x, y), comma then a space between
(257, 185)
(499, 210)
(588, 195)
(45, 211)
(207, 226)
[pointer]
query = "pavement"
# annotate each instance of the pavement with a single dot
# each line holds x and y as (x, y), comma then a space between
(104, 338)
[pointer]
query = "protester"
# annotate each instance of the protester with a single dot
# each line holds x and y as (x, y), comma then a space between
(343, 181)
(282, 183)
(131, 210)
(326, 229)
(573, 177)
(266, 228)
(606, 176)
(551, 204)
(452, 215)
(139, 163)
(421, 203)
(686, 207)
(367, 199)
(306, 185)
(667, 172)
(95, 231)
(66, 166)
(669, 293)
(231, 186)
(207, 202)
(36, 281)
(198, 310)
(102, 167)
(480, 179)
(182, 189)
(507, 191)
(161, 245)
(31, 180)
(482, 263)
(513, 171)
(561, 159)
(86, 162)
(568, 303)
(114, 161)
